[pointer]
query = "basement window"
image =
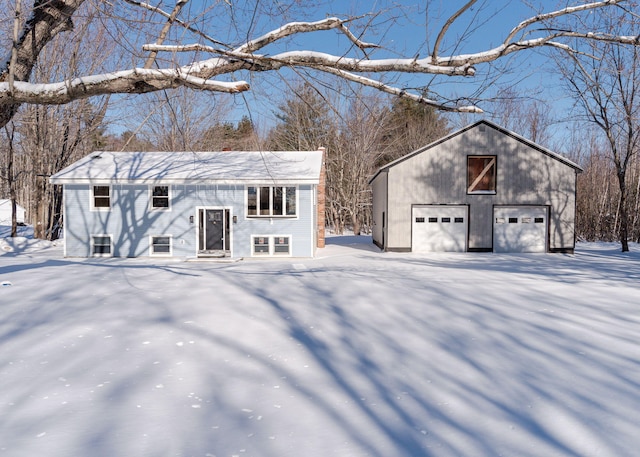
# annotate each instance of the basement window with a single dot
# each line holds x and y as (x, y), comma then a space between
(161, 245)
(481, 174)
(101, 245)
(261, 245)
(271, 245)
(281, 245)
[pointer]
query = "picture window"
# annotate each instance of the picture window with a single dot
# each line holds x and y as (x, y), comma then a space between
(271, 201)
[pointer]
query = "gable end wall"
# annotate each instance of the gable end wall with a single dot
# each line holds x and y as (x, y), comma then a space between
(525, 176)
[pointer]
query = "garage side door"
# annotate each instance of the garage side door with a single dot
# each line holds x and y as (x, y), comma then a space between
(439, 229)
(520, 229)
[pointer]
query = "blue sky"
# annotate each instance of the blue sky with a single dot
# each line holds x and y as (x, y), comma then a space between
(403, 28)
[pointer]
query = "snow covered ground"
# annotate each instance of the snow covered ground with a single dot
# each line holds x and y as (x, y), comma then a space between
(354, 353)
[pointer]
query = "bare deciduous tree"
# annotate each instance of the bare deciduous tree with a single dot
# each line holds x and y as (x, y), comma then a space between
(177, 120)
(356, 62)
(605, 81)
(46, 138)
(8, 175)
(523, 114)
(359, 136)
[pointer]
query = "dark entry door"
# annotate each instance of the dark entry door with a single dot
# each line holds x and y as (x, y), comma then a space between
(212, 230)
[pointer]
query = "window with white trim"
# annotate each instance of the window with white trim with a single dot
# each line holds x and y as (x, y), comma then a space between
(281, 245)
(101, 245)
(160, 198)
(261, 245)
(481, 174)
(101, 198)
(272, 201)
(161, 244)
(271, 245)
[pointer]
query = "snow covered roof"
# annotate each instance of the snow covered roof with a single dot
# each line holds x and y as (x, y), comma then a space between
(227, 167)
(505, 131)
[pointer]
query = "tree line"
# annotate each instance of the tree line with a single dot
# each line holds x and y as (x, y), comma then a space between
(361, 133)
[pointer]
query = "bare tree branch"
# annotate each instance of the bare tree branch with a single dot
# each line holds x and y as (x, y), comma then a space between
(399, 92)
(136, 81)
(163, 34)
(200, 74)
(445, 28)
(160, 11)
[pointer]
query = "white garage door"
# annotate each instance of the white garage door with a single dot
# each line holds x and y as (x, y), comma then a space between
(520, 229)
(438, 228)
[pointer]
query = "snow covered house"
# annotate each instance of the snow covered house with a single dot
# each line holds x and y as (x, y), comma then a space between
(5, 213)
(194, 204)
(482, 188)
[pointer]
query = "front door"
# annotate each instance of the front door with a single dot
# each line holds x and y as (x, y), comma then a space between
(211, 229)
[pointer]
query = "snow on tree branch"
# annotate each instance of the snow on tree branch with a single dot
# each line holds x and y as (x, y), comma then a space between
(554, 14)
(227, 59)
(136, 81)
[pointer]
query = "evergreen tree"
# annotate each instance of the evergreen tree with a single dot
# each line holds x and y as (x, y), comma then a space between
(408, 126)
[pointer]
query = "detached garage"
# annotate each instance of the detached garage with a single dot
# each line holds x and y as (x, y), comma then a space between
(482, 188)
